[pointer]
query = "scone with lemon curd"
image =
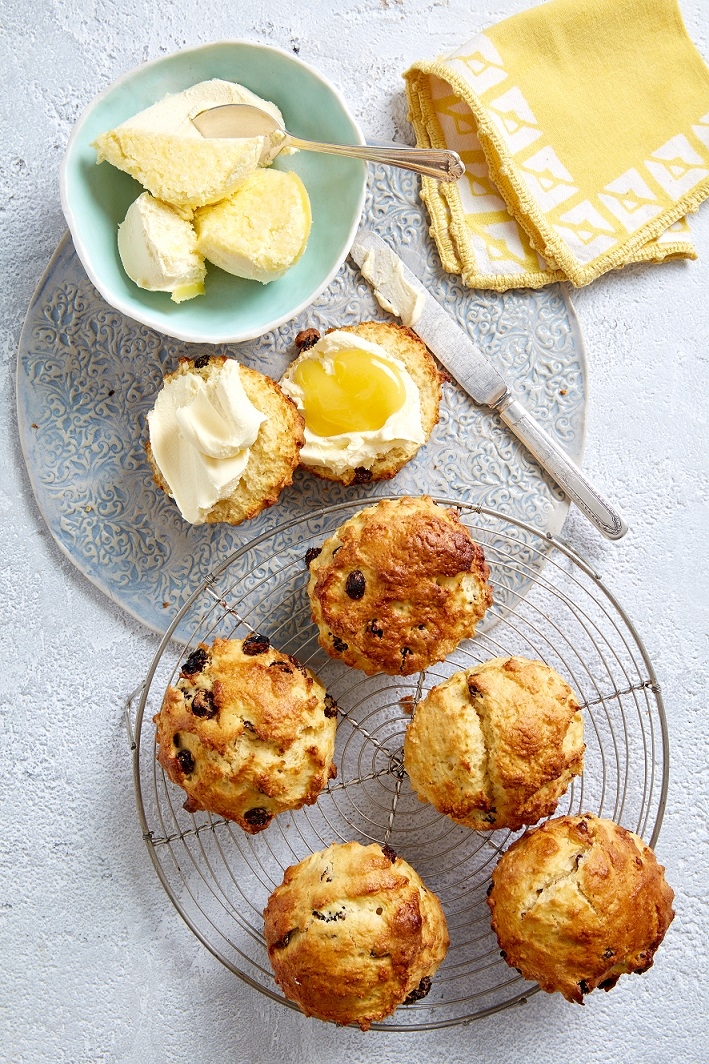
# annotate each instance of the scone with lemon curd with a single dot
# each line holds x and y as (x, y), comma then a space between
(369, 394)
(261, 230)
(163, 150)
(158, 249)
(224, 440)
(496, 745)
(353, 932)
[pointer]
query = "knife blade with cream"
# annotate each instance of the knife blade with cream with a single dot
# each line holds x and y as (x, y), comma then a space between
(400, 292)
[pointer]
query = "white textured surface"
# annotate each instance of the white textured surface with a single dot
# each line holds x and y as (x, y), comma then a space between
(96, 965)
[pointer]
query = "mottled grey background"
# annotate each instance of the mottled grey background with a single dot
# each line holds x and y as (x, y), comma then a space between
(95, 964)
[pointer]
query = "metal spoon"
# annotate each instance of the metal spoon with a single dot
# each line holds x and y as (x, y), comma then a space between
(237, 120)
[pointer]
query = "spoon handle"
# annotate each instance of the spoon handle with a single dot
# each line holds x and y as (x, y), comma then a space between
(441, 164)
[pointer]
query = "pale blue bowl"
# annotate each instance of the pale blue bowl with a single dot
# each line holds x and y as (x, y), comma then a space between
(95, 198)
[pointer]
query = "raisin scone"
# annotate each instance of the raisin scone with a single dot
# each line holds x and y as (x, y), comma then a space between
(247, 732)
(223, 440)
(578, 902)
(352, 933)
(369, 394)
(398, 586)
(496, 745)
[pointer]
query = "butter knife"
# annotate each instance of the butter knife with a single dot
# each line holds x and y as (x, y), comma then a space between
(401, 292)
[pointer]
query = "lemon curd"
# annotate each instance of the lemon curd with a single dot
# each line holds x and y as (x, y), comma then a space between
(359, 395)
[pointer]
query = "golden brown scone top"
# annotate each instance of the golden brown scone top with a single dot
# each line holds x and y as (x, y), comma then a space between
(398, 586)
(247, 732)
(274, 455)
(578, 902)
(352, 932)
(496, 745)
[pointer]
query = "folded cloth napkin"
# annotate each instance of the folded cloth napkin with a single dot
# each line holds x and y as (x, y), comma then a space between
(584, 129)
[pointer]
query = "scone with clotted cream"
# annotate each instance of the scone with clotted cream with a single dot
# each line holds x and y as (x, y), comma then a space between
(224, 440)
(369, 394)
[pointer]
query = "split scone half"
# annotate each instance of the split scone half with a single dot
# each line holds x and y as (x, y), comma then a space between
(247, 732)
(369, 394)
(223, 440)
(352, 933)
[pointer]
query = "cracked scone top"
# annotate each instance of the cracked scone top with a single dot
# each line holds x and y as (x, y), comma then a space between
(352, 933)
(496, 745)
(247, 732)
(398, 586)
(578, 902)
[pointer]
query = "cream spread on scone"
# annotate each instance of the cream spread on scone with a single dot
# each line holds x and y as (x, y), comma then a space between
(200, 435)
(352, 449)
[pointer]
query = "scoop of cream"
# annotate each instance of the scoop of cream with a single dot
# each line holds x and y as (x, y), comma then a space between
(201, 432)
(404, 300)
(261, 230)
(163, 150)
(348, 450)
(158, 250)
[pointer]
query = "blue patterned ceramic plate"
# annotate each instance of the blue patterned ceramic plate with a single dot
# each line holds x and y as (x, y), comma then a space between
(87, 376)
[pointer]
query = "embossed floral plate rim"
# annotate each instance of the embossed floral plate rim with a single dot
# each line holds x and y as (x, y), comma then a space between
(438, 469)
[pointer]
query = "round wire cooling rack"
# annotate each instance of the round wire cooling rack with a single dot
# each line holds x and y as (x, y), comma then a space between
(548, 605)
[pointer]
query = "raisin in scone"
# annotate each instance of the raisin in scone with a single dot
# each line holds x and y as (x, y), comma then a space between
(496, 745)
(247, 732)
(578, 902)
(352, 933)
(398, 586)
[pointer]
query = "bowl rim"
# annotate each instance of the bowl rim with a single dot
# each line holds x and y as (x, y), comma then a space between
(82, 250)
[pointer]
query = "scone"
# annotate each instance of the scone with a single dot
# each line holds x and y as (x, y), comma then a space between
(398, 586)
(352, 933)
(578, 902)
(369, 394)
(247, 732)
(496, 745)
(224, 440)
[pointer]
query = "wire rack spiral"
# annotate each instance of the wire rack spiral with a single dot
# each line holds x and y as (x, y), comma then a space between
(548, 605)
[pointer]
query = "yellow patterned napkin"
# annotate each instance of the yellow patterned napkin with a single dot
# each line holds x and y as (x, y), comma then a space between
(584, 129)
